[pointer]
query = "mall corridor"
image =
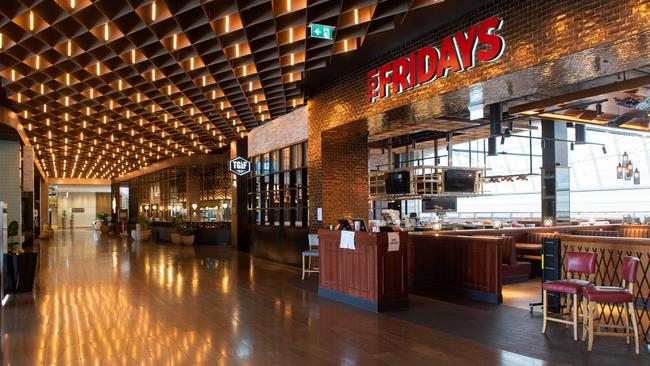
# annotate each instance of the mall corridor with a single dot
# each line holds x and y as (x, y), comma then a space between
(101, 300)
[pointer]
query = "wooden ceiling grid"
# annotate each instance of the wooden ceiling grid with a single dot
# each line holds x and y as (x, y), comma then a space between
(106, 87)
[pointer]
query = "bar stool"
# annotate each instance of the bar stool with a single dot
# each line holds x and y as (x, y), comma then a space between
(311, 252)
(576, 263)
(623, 295)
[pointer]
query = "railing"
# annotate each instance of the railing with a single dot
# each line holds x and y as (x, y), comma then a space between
(584, 215)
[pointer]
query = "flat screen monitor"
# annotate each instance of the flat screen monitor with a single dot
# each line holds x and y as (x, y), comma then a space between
(439, 204)
(460, 181)
(398, 182)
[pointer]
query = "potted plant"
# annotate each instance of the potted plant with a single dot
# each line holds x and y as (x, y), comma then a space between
(64, 215)
(46, 233)
(141, 231)
(71, 220)
(179, 224)
(187, 235)
(104, 228)
(20, 267)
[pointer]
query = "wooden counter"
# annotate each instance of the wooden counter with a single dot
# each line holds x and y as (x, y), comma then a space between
(369, 276)
(469, 266)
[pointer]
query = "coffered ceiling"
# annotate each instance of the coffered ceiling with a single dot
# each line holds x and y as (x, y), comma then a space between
(106, 87)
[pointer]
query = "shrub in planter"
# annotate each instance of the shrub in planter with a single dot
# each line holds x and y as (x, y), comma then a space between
(179, 224)
(104, 228)
(187, 235)
(141, 233)
(64, 216)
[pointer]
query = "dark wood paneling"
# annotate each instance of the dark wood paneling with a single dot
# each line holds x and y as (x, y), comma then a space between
(278, 243)
(470, 266)
(369, 273)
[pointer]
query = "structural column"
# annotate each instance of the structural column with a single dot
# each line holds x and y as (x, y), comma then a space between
(239, 197)
(555, 172)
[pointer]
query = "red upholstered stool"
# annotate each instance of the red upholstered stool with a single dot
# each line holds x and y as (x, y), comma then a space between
(576, 263)
(623, 295)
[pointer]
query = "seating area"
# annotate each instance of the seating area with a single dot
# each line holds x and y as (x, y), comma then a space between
(579, 264)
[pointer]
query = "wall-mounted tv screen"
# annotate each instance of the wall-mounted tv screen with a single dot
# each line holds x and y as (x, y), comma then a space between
(460, 181)
(398, 182)
(439, 204)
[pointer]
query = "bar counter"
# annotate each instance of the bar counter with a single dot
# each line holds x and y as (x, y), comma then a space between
(369, 276)
(469, 266)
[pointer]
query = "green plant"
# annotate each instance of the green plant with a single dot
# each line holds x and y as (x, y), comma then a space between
(142, 220)
(178, 222)
(64, 214)
(187, 231)
(16, 250)
(102, 216)
(12, 229)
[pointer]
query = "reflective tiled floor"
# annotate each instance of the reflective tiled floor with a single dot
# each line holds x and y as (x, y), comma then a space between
(99, 300)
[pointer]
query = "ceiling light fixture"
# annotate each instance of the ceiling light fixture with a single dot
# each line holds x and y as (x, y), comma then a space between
(31, 20)
(174, 41)
(106, 31)
(227, 26)
(153, 11)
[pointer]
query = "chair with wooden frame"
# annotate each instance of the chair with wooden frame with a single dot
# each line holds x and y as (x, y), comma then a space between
(623, 295)
(311, 252)
(576, 263)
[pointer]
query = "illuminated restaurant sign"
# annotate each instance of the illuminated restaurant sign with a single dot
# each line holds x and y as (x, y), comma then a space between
(240, 166)
(457, 53)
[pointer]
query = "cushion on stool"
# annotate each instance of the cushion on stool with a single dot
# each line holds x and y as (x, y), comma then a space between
(565, 286)
(607, 294)
(310, 253)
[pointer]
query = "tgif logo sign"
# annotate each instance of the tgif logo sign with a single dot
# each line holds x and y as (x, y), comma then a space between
(457, 53)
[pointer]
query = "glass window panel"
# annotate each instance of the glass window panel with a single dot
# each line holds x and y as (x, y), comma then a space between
(275, 160)
(286, 158)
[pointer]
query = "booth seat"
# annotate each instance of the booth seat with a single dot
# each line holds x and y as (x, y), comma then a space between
(537, 237)
(512, 270)
(608, 233)
(634, 231)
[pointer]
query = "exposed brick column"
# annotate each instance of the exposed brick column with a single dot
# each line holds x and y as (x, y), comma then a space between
(345, 172)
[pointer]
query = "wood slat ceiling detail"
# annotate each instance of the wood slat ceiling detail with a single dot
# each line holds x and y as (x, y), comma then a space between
(106, 87)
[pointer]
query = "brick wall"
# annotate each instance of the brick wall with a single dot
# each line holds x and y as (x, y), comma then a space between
(346, 188)
(281, 132)
(538, 33)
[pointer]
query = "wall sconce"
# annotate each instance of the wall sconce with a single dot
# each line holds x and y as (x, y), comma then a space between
(154, 207)
(548, 222)
(194, 206)
(496, 224)
(437, 226)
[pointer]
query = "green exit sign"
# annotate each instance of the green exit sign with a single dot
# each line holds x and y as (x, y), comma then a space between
(321, 31)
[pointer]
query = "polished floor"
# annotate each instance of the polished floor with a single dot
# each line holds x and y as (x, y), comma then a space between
(102, 301)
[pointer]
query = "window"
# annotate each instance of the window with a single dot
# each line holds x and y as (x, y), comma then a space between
(278, 188)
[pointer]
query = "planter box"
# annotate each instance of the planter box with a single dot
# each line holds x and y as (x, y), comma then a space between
(187, 240)
(176, 238)
(19, 272)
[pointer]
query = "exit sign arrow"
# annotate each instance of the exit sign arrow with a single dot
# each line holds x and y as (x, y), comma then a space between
(321, 31)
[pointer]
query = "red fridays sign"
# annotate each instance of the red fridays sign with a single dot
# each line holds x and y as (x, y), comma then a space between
(457, 53)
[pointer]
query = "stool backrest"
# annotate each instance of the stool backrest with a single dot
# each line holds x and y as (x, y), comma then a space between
(313, 241)
(581, 262)
(630, 266)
